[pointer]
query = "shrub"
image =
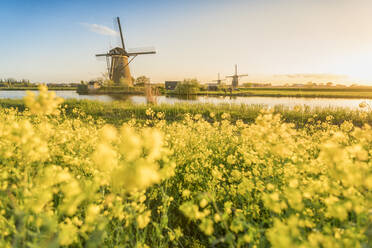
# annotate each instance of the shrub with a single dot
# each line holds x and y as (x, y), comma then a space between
(188, 87)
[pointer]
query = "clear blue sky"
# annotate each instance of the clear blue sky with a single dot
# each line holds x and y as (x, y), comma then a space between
(271, 40)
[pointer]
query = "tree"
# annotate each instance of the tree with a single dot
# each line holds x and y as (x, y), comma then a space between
(310, 84)
(142, 80)
(188, 87)
(108, 82)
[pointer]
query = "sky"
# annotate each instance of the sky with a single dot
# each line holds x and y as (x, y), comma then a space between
(273, 41)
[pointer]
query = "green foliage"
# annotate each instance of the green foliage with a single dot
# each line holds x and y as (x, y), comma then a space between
(188, 87)
(142, 80)
(108, 83)
(118, 112)
(11, 82)
(126, 82)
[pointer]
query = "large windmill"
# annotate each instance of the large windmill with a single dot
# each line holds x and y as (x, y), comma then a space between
(118, 60)
(235, 77)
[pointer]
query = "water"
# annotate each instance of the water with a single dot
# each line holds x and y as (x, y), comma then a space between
(66, 94)
(268, 101)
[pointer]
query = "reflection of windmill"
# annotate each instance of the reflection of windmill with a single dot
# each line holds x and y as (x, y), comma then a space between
(219, 81)
(117, 60)
(235, 78)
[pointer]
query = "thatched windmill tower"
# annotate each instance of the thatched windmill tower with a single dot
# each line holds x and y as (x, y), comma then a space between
(118, 60)
(235, 77)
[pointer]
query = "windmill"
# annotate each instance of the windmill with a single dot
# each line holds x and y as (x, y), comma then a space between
(219, 81)
(118, 60)
(235, 77)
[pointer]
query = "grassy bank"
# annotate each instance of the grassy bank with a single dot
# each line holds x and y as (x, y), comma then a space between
(330, 92)
(111, 90)
(292, 92)
(118, 112)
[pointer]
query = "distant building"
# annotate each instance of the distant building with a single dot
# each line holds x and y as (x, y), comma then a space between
(212, 87)
(171, 85)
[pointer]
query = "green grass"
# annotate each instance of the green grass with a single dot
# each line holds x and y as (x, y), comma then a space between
(327, 89)
(362, 92)
(118, 112)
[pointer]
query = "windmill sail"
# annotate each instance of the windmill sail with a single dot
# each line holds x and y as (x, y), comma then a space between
(142, 50)
(121, 33)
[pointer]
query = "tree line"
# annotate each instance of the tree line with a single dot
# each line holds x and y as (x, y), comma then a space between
(7, 82)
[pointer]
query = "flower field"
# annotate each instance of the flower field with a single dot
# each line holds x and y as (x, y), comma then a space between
(194, 182)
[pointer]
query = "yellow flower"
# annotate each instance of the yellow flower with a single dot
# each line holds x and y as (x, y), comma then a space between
(203, 203)
(45, 103)
(186, 193)
(207, 226)
(143, 219)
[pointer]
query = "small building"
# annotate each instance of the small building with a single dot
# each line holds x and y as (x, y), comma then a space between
(212, 87)
(93, 85)
(171, 85)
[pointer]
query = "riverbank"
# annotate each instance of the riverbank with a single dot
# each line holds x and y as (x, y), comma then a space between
(303, 92)
(112, 90)
(290, 92)
(117, 112)
(351, 93)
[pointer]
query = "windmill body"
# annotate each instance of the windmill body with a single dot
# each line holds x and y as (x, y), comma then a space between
(235, 77)
(119, 67)
(118, 61)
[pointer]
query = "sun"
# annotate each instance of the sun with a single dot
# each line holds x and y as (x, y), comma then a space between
(358, 67)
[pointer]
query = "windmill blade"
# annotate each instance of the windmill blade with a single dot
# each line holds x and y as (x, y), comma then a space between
(105, 57)
(121, 33)
(101, 58)
(243, 75)
(139, 51)
(102, 55)
(108, 62)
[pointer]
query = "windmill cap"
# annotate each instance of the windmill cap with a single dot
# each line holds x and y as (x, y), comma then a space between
(117, 51)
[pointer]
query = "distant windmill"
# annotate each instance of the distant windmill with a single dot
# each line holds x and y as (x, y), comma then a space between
(235, 78)
(219, 81)
(117, 60)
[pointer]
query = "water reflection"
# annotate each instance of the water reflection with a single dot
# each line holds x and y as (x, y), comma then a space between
(185, 97)
(114, 97)
(267, 101)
